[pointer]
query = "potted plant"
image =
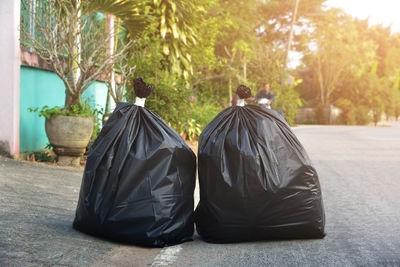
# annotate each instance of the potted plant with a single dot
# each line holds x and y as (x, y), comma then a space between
(69, 130)
(75, 42)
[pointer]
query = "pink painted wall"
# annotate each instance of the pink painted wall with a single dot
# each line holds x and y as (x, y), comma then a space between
(9, 75)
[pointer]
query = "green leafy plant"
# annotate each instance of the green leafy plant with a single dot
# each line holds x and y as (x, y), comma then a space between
(191, 128)
(171, 96)
(397, 106)
(287, 100)
(80, 109)
(347, 115)
(42, 156)
(49, 146)
(322, 114)
(362, 116)
(203, 114)
(377, 109)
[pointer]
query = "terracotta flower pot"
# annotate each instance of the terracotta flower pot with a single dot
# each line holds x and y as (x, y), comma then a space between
(69, 137)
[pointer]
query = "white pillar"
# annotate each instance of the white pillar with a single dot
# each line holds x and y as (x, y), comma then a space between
(9, 75)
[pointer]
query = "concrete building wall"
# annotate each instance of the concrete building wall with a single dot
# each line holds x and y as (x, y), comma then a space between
(9, 75)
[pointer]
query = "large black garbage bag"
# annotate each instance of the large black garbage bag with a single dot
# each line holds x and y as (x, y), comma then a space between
(138, 182)
(256, 180)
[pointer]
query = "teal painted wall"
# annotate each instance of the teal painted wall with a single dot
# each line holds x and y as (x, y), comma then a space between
(39, 88)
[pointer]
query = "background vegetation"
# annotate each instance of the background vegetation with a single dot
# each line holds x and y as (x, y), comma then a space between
(196, 52)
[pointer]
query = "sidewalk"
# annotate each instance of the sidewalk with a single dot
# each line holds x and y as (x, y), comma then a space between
(37, 206)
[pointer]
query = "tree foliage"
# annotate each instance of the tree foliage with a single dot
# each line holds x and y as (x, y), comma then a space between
(71, 37)
(196, 52)
(353, 65)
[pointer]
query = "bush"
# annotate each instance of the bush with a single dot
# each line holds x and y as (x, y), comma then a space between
(190, 129)
(287, 100)
(42, 156)
(209, 92)
(81, 109)
(347, 115)
(362, 116)
(203, 114)
(397, 105)
(322, 114)
(170, 99)
(377, 109)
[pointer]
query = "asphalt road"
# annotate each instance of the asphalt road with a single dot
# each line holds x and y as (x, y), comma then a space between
(359, 169)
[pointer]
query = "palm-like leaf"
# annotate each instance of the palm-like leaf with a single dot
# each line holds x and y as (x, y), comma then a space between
(131, 12)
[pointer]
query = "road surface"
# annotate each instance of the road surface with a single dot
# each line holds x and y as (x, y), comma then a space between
(359, 169)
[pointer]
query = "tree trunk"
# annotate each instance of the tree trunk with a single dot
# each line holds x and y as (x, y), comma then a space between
(289, 44)
(106, 114)
(245, 69)
(71, 99)
(230, 89)
(110, 53)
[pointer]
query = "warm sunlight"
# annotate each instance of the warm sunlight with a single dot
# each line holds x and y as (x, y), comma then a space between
(385, 12)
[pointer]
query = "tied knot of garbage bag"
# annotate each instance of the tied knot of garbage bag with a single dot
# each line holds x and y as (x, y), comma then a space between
(243, 91)
(142, 89)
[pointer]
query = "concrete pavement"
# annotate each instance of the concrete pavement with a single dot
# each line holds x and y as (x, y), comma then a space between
(359, 169)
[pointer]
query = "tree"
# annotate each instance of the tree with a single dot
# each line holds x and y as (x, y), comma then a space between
(175, 28)
(71, 37)
(397, 105)
(168, 53)
(340, 50)
(261, 27)
(275, 19)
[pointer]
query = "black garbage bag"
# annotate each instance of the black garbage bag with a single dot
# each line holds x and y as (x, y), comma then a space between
(138, 182)
(256, 180)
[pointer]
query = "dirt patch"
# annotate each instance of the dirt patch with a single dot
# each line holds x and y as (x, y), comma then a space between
(193, 145)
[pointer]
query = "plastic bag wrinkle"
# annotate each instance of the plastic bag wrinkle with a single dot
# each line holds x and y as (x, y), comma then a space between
(256, 180)
(139, 181)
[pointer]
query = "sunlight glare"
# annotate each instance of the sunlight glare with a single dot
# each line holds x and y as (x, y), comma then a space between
(384, 12)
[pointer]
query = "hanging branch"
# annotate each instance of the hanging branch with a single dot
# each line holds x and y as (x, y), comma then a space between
(72, 39)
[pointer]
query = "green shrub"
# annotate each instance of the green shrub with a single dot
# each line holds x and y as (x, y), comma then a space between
(80, 109)
(322, 115)
(170, 99)
(42, 156)
(362, 116)
(286, 100)
(347, 116)
(396, 111)
(190, 129)
(203, 114)
(377, 109)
